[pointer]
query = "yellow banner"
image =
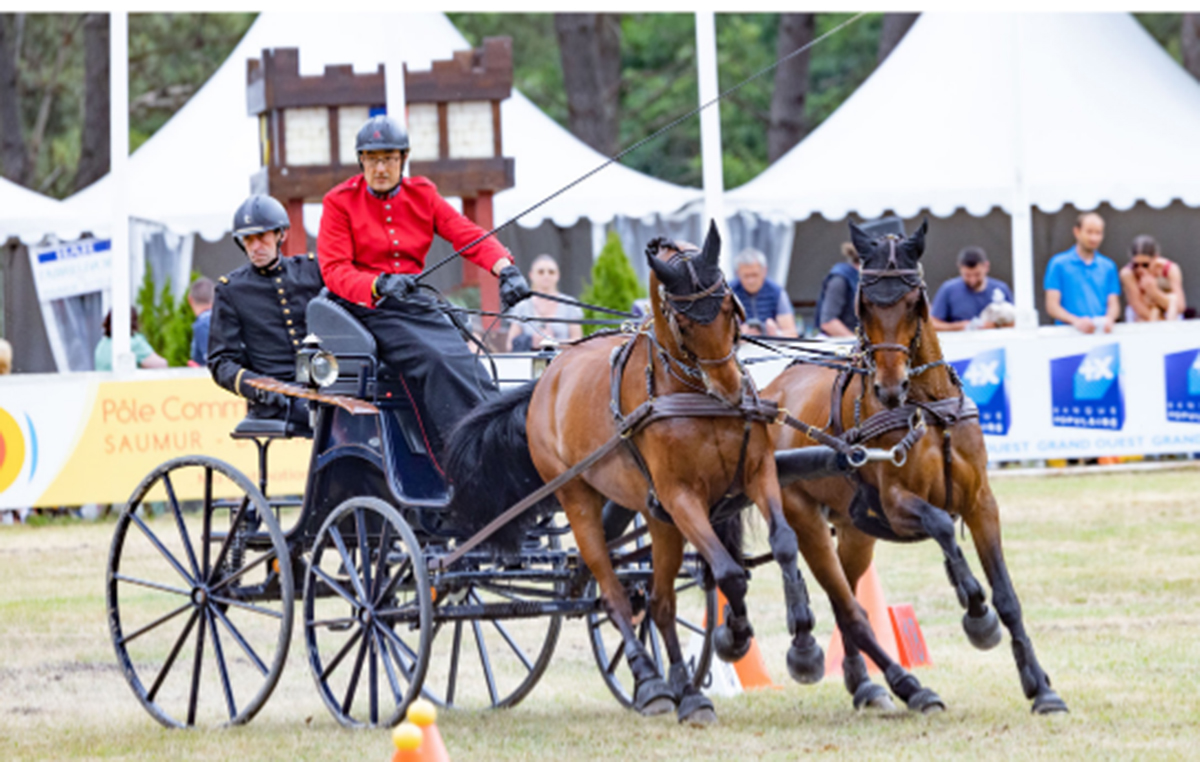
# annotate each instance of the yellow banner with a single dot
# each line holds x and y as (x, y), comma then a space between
(134, 426)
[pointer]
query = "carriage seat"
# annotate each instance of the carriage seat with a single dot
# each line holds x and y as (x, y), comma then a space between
(267, 428)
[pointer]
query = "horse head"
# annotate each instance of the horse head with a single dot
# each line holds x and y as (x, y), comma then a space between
(892, 306)
(696, 315)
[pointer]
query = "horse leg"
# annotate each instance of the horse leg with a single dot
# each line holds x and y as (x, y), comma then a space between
(985, 529)
(667, 548)
(979, 622)
(582, 504)
(855, 550)
(731, 640)
(805, 657)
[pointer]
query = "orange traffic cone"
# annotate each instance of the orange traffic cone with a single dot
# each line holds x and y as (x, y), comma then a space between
(417, 738)
(751, 669)
(870, 596)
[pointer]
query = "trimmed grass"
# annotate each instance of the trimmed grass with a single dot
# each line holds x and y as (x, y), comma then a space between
(1107, 567)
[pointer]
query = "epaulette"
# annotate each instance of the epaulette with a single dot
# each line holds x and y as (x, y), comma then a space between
(223, 279)
(420, 180)
(311, 255)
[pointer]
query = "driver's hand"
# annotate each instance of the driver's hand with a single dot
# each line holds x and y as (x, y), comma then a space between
(513, 287)
(396, 285)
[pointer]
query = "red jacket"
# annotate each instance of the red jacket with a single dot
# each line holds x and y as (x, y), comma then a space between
(363, 235)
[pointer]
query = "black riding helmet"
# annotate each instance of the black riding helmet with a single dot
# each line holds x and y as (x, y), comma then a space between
(381, 133)
(258, 214)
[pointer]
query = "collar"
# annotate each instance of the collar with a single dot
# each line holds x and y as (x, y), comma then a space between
(271, 269)
(383, 196)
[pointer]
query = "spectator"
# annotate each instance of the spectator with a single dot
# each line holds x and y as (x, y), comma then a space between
(5, 358)
(836, 315)
(200, 299)
(1082, 287)
(1153, 284)
(765, 301)
(145, 354)
(961, 303)
(525, 336)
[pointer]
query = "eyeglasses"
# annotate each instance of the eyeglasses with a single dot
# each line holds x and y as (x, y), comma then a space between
(387, 161)
(1139, 265)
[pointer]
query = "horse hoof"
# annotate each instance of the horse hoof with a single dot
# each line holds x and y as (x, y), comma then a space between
(1049, 702)
(697, 710)
(869, 695)
(806, 664)
(726, 645)
(653, 697)
(983, 631)
(926, 701)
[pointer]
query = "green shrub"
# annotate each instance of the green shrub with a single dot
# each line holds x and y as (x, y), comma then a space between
(614, 283)
(165, 322)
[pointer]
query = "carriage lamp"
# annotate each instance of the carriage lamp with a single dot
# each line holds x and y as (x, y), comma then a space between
(315, 366)
(541, 361)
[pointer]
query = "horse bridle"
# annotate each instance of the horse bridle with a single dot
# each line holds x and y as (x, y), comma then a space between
(867, 278)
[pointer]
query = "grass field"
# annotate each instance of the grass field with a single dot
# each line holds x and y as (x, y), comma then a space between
(1107, 567)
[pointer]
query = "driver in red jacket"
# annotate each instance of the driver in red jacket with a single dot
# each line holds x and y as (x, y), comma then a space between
(376, 229)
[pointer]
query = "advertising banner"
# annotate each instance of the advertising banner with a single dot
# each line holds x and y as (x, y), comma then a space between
(1053, 392)
(70, 439)
(69, 269)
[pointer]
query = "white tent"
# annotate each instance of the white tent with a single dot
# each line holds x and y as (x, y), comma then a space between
(27, 215)
(194, 171)
(978, 110)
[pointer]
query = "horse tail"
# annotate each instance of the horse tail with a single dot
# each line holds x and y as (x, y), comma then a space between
(732, 534)
(489, 467)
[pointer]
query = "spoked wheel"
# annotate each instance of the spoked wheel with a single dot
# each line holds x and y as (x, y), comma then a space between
(696, 616)
(494, 661)
(199, 604)
(368, 613)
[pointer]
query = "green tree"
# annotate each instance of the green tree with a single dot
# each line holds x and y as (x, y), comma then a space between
(614, 283)
(164, 321)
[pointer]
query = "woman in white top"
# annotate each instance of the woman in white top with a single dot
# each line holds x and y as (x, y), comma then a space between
(534, 334)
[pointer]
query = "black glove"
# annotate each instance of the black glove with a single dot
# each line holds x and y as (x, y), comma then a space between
(513, 287)
(396, 285)
(270, 399)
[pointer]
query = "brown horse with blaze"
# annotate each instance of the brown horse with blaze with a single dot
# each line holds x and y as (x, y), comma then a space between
(701, 442)
(897, 384)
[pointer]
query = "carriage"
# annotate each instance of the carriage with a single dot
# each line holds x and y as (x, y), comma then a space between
(201, 602)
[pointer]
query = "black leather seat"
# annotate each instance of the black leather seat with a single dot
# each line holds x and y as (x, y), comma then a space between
(339, 331)
(267, 428)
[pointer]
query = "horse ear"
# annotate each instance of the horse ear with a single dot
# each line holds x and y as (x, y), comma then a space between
(916, 241)
(860, 239)
(711, 255)
(663, 270)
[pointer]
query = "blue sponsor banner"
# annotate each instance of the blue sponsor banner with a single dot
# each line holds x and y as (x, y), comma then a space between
(1182, 370)
(984, 380)
(1086, 389)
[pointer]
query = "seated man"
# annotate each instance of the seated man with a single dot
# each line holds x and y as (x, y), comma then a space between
(767, 305)
(376, 230)
(258, 314)
(836, 315)
(965, 303)
(1082, 287)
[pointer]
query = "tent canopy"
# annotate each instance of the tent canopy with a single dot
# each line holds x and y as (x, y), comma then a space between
(27, 215)
(1079, 108)
(192, 174)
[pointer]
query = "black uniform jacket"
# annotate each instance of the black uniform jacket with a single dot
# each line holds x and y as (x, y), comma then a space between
(258, 321)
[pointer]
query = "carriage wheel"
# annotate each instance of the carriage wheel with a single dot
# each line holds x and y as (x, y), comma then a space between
(493, 663)
(199, 607)
(696, 616)
(368, 613)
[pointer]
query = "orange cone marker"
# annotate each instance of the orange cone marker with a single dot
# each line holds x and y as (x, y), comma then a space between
(751, 669)
(417, 739)
(870, 596)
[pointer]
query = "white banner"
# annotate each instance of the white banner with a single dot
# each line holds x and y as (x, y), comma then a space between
(69, 269)
(1056, 393)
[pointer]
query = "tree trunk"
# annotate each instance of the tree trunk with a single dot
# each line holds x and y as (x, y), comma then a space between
(589, 45)
(895, 26)
(788, 125)
(94, 153)
(14, 163)
(1191, 43)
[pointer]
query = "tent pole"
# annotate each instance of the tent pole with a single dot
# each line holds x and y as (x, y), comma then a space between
(393, 88)
(710, 133)
(1021, 213)
(124, 362)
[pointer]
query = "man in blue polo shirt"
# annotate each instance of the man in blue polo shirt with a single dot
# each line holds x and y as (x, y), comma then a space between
(1082, 285)
(961, 302)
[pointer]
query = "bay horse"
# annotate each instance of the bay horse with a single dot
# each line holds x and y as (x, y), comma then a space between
(899, 384)
(688, 431)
